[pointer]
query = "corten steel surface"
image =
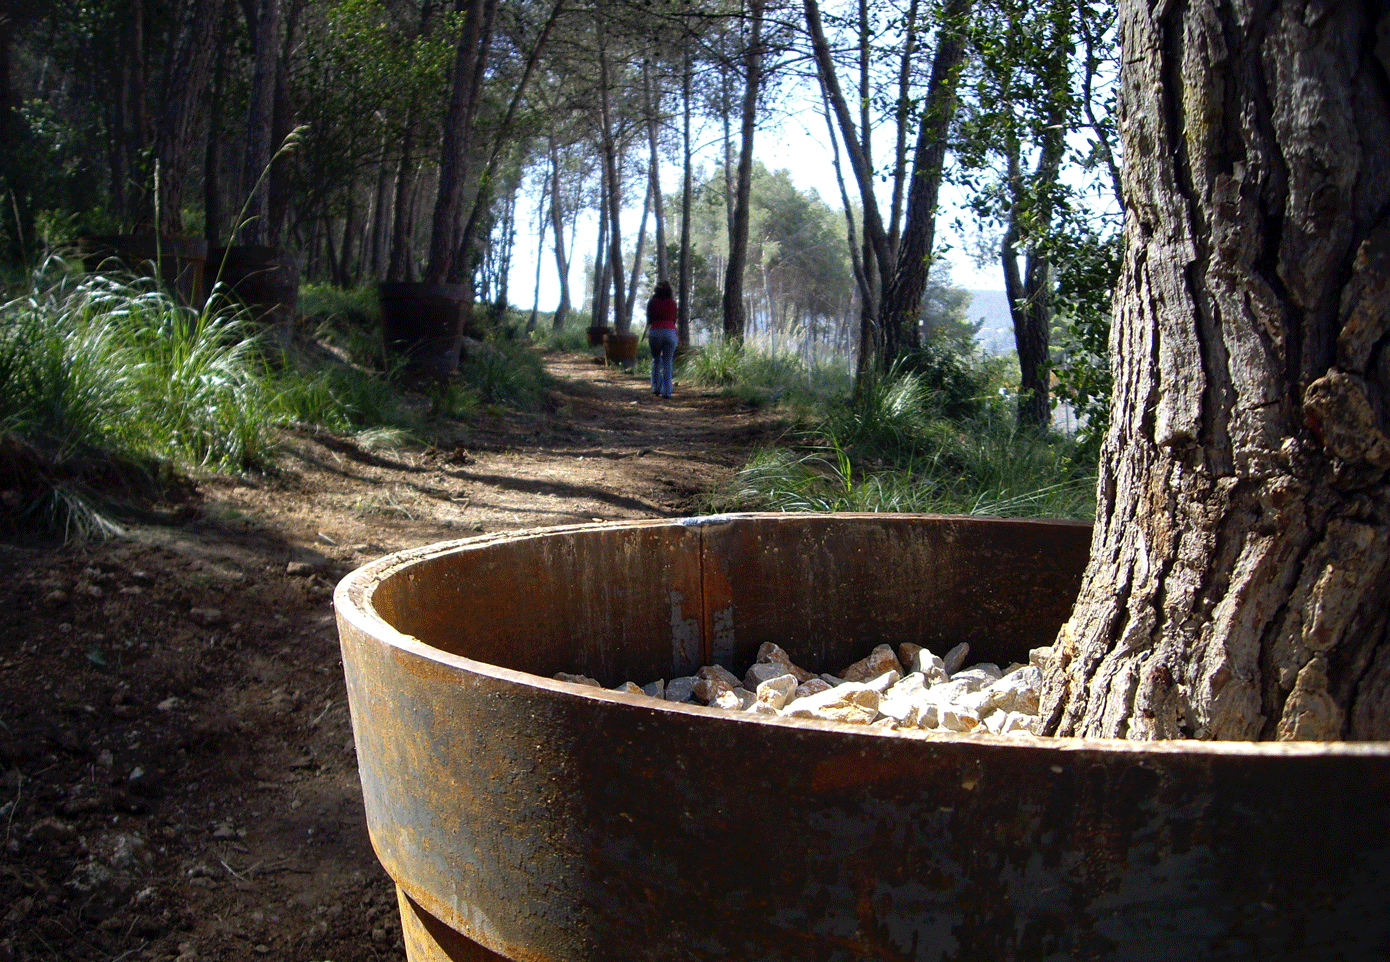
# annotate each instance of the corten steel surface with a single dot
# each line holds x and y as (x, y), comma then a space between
(545, 821)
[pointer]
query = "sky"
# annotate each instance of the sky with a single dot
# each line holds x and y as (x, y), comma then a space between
(797, 147)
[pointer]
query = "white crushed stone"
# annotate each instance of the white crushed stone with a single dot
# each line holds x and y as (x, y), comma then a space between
(911, 689)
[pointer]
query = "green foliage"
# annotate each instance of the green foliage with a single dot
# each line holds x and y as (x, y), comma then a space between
(1086, 280)
(505, 372)
(798, 266)
(95, 362)
(763, 377)
(110, 381)
(342, 397)
(105, 376)
(893, 446)
(346, 319)
(570, 338)
(980, 467)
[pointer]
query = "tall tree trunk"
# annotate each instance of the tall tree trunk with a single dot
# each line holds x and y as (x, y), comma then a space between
(878, 260)
(663, 267)
(133, 135)
(1239, 583)
(280, 191)
(900, 311)
(687, 202)
(379, 220)
(212, 157)
(637, 254)
(601, 270)
(542, 216)
(263, 24)
(735, 313)
(557, 223)
(612, 183)
(398, 268)
(470, 65)
(186, 78)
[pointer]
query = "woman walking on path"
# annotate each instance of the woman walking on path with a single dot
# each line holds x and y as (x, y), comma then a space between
(661, 332)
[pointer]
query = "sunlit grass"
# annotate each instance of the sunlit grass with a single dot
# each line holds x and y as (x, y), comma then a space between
(890, 446)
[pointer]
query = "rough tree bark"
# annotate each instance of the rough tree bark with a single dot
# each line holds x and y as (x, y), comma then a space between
(186, 79)
(1239, 584)
(470, 65)
(263, 23)
(900, 309)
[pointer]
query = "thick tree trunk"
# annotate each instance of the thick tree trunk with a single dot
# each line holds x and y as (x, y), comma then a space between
(282, 124)
(1239, 583)
(263, 24)
(212, 155)
(470, 64)
(186, 79)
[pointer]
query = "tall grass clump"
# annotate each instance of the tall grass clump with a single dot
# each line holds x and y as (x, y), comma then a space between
(911, 440)
(762, 376)
(349, 320)
(504, 371)
(571, 338)
(107, 376)
(98, 362)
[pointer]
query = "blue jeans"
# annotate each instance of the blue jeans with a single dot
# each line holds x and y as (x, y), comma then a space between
(663, 342)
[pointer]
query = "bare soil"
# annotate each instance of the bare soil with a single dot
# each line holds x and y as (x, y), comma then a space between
(177, 772)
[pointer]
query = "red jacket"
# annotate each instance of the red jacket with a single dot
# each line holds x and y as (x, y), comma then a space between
(662, 312)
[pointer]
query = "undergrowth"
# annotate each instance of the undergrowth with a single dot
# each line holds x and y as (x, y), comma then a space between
(114, 391)
(935, 434)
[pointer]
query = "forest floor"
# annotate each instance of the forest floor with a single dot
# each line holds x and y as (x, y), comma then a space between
(177, 772)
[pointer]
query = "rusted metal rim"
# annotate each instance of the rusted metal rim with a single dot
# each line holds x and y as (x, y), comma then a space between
(540, 820)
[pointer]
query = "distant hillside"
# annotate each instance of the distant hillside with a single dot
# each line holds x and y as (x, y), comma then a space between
(992, 307)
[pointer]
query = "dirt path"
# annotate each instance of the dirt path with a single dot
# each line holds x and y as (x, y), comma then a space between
(177, 774)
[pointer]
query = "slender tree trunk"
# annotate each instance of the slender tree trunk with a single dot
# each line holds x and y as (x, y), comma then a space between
(1239, 583)
(542, 216)
(379, 220)
(906, 65)
(132, 135)
(735, 313)
(900, 312)
(612, 181)
(557, 223)
(600, 309)
(687, 202)
(1027, 290)
(403, 221)
(465, 239)
(663, 267)
(637, 254)
(880, 264)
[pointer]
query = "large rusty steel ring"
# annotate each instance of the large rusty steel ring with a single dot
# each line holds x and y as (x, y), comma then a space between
(532, 819)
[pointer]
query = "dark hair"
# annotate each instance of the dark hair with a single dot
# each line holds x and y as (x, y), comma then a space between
(663, 289)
